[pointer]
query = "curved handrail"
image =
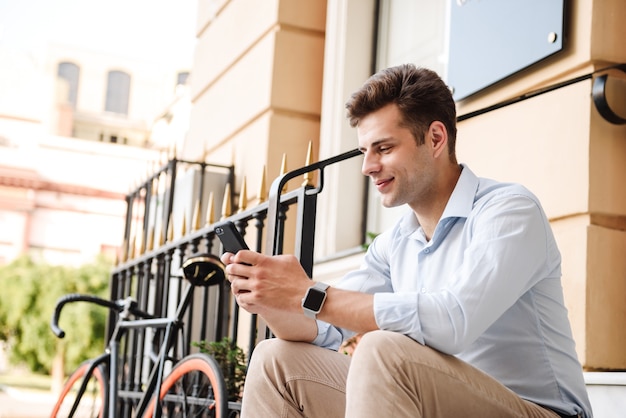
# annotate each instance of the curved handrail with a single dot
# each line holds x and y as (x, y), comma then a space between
(279, 183)
(598, 94)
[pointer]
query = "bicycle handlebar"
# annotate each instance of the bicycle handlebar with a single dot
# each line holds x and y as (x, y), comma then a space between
(118, 306)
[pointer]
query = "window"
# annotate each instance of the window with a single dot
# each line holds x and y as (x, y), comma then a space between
(118, 91)
(181, 78)
(413, 31)
(409, 31)
(69, 72)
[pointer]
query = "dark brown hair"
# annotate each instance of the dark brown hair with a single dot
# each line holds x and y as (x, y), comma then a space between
(420, 94)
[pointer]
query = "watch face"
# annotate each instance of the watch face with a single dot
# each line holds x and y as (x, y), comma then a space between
(314, 299)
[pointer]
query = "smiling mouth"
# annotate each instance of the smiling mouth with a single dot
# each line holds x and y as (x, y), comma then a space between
(381, 184)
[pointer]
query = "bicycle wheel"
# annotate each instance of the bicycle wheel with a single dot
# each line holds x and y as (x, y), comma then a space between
(91, 401)
(194, 388)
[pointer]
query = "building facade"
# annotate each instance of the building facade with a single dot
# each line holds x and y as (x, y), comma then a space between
(78, 129)
(283, 81)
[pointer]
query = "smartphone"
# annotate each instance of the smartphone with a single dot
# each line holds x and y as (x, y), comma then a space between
(230, 237)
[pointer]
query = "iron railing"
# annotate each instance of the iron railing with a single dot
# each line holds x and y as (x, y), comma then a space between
(153, 275)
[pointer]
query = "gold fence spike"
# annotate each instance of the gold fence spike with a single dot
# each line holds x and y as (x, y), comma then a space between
(283, 170)
(195, 222)
(262, 195)
(170, 229)
(309, 159)
(142, 245)
(133, 249)
(183, 229)
(243, 195)
(161, 237)
(124, 255)
(150, 245)
(226, 208)
(283, 165)
(210, 209)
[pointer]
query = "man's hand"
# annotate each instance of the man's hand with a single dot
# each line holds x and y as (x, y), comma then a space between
(262, 283)
(273, 287)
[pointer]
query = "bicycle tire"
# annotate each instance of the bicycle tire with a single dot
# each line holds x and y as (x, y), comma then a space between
(194, 388)
(91, 403)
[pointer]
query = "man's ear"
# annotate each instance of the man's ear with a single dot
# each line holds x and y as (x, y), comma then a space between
(438, 136)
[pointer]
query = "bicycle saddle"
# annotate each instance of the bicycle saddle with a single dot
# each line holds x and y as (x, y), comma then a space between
(204, 270)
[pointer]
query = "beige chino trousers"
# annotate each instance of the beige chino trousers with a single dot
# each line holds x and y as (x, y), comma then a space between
(389, 375)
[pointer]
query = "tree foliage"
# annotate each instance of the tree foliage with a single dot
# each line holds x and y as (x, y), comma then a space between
(27, 300)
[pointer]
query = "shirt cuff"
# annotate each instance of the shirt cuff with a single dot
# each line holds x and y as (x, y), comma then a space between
(327, 336)
(398, 312)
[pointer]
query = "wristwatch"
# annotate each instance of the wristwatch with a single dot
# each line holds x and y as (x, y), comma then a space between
(314, 299)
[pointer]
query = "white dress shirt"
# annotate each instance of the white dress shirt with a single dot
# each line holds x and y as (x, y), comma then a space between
(486, 288)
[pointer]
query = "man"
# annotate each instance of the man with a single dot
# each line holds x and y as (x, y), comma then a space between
(460, 303)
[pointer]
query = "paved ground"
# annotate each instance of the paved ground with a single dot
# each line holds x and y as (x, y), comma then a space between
(24, 404)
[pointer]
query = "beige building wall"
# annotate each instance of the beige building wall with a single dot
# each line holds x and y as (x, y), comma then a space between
(271, 76)
(575, 161)
(256, 89)
(256, 85)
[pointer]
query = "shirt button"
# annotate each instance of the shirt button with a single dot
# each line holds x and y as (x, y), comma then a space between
(423, 290)
(426, 250)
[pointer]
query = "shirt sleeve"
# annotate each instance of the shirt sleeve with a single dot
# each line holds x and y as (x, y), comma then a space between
(508, 242)
(372, 277)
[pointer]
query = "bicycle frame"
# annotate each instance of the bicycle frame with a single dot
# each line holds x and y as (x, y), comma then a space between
(156, 375)
(111, 359)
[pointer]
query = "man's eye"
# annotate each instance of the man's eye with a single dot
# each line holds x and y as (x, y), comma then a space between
(384, 149)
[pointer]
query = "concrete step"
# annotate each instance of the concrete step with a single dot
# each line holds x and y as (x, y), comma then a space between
(607, 393)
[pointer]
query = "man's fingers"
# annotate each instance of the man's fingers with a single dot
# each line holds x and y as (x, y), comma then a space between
(239, 285)
(227, 258)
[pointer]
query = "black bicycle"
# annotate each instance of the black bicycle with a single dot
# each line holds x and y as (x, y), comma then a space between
(193, 388)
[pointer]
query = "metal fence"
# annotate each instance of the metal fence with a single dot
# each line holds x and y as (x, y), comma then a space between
(151, 273)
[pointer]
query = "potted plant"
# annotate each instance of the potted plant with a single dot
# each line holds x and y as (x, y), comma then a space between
(232, 361)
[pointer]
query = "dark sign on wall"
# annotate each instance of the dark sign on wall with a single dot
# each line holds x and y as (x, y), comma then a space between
(493, 39)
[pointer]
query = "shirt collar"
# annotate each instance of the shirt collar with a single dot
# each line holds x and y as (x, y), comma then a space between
(461, 200)
(459, 205)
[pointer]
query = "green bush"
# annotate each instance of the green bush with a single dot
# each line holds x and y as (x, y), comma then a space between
(29, 293)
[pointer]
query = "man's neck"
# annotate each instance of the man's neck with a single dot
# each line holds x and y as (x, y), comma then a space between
(429, 215)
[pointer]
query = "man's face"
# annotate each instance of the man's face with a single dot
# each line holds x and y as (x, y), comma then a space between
(401, 170)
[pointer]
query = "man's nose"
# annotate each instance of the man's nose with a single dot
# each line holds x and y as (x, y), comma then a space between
(370, 165)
